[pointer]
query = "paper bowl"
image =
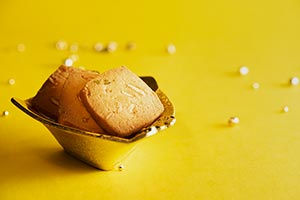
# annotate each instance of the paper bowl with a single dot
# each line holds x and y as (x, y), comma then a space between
(104, 152)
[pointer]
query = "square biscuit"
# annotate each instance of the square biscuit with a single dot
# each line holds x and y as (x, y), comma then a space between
(47, 98)
(72, 112)
(120, 102)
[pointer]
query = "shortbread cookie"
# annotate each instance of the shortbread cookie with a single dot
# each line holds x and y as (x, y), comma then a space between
(72, 112)
(120, 102)
(46, 100)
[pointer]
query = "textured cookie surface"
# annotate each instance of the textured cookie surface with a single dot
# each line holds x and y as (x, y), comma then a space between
(120, 102)
(46, 100)
(72, 112)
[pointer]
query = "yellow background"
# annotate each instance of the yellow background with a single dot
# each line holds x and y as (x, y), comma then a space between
(200, 157)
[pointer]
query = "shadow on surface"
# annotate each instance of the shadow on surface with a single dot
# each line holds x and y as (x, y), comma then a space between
(31, 162)
(283, 85)
(220, 125)
(233, 74)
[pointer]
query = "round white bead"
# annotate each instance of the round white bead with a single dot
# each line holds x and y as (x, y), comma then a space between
(69, 62)
(112, 46)
(244, 70)
(294, 81)
(61, 45)
(286, 109)
(171, 48)
(255, 86)
(233, 121)
(98, 47)
(74, 47)
(11, 81)
(74, 57)
(5, 113)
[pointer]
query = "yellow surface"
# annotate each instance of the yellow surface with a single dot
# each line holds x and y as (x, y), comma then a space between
(200, 157)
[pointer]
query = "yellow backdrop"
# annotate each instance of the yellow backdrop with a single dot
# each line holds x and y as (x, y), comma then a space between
(201, 157)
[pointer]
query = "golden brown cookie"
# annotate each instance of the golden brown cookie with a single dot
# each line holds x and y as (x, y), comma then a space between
(46, 100)
(120, 102)
(72, 112)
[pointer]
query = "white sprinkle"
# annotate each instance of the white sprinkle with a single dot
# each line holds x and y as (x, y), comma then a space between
(233, 121)
(244, 70)
(11, 81)
(74, 48)
(5, 113)
(111, 47)
(21, 47)
(294, 81)
(171, 49)
(61, 45)
(98, 47)
(69, 62)
(74, 57)
(286, 109)
(255, 86)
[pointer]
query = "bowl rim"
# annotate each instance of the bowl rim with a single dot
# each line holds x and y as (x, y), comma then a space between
(156, 126)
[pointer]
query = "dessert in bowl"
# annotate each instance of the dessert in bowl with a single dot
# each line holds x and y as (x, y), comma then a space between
(99, 118)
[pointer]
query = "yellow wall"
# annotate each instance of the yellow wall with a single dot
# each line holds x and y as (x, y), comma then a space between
(201, 157)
